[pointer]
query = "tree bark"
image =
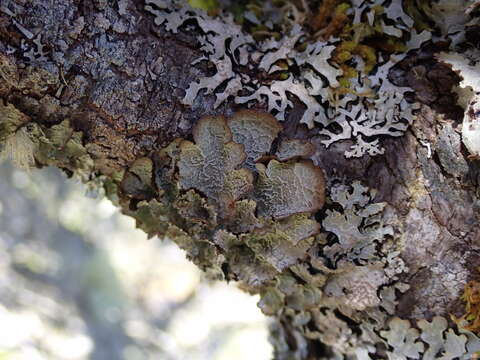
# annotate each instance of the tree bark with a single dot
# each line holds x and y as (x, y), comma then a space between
(98, 88)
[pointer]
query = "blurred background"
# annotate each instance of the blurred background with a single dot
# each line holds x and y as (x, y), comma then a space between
(78, 281)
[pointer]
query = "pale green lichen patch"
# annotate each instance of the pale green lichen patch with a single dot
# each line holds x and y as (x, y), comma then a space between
(210, 164)
(289, 188)
(28, 143)
(358, 227)
(256, 131)
(403, 339)
(143, 168)
(137, 181)
(10, 120)
(357, 288)
(432, 340)
(8, 75)
(294, 148)
(63, 147)
(282, 244)
(432, 334)
(244, 219)
(272, 301)
(152, 216)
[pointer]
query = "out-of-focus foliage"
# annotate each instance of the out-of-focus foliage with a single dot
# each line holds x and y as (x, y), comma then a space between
(77, 281)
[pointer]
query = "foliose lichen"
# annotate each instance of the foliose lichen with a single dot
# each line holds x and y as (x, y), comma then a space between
(328, 267)
(223, 204)
(29, 143)
(342, 82)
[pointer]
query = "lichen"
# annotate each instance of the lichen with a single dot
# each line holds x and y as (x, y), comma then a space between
(432, 334)
(315, 295)
(294, 148)
(358, 228)
(8, 74)
(282, 243)
(62, 146)
(255, 131)
(210, 164)
(403, 339)
(271, 239)
(209, 195)
(246, 202)
(366, 107)
(10, 120)
(20, 149)
(439, 340)
(137, 181)
(284, 189)
(357, 288)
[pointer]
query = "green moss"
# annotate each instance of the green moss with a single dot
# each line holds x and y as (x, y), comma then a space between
(207, 5)
(471, 296)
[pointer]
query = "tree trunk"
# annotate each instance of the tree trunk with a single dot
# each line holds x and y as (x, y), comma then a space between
(375, 256)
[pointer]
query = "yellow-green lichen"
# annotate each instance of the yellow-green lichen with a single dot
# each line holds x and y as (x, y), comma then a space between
(137, 182)
(10, 120)
(207, 5)
(210, 164)
(20, 149)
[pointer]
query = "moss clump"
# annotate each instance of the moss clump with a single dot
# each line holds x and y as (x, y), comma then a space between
(471, 320)
(210, 6)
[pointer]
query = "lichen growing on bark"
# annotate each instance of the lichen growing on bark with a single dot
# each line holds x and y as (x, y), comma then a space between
(334, 79)
(245, 201)
(214, 198)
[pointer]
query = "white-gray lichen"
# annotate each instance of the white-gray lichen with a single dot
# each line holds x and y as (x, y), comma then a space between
(429, 340)
(358, 227)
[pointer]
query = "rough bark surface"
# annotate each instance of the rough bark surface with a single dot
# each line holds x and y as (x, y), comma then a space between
(119, 79)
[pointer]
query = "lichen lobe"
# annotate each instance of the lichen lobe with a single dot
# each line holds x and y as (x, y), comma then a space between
(209, 165)
(288, 188)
